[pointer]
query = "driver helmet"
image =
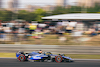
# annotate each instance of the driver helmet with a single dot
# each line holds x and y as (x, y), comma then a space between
(40, 51)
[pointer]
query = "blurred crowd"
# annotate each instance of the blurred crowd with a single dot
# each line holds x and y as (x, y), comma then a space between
(36, 30)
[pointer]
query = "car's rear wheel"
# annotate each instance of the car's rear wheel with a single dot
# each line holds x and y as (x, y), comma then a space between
(58, 59)
(21, 58)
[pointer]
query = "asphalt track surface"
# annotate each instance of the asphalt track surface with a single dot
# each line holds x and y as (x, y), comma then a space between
(4, 62)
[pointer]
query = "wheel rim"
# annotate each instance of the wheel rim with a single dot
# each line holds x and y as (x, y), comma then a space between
(58, 59)
(21, 57)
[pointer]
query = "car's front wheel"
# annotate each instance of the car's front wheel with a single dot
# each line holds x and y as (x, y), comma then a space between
(58, 59)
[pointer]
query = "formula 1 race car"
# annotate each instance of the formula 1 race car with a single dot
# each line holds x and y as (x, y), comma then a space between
(47, 56)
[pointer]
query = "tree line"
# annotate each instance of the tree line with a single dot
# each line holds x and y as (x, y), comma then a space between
(38, 13)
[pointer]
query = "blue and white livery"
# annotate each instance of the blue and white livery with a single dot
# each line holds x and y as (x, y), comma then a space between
(47, 56)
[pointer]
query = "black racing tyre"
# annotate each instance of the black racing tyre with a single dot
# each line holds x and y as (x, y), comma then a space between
(21, 58)
(58, 59)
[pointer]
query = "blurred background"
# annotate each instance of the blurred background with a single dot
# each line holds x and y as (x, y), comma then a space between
(50, 22)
